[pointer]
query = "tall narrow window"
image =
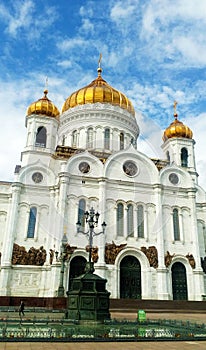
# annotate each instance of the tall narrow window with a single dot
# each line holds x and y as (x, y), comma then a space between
(41, 137)
(121, 139)
(130, 220)
(74, 138)
(176, 225)
(32, 222)
(184, 157)
(120, 220)
(106, 138)
(81, 211)
(140, 221)
(168, 156)
(90, 136)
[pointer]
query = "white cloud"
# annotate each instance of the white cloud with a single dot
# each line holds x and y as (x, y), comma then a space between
(65, 64)
(122, 10)
(175, 28)
(87, 25)
(86, 11)
(17, 18)
(69, 44)
(22, 17)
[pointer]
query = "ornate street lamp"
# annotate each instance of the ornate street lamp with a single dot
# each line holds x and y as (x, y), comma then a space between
(92, 219)
(63, 258)
(88, 299)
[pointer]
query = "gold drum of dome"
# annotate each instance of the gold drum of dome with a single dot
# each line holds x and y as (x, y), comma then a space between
(98, 91)
(44, 107)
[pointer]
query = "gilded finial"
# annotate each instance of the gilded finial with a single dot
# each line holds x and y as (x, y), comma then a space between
(99, 69)
(46, 87)
(175, 109)
(100, 58)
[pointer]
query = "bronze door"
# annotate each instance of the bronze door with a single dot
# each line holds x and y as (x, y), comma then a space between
(179, 282)
(130, 278)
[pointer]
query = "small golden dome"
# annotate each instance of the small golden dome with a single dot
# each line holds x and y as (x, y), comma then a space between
(177, 129)
(98, 91)
(43, 106)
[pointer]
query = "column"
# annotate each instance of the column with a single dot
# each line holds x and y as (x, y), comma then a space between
(162, 289)
(7, 248)
(101, 239)
(198, 274)
(64, 181)
(11, 225)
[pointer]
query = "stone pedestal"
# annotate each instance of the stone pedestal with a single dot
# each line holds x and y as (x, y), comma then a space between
(88, 299)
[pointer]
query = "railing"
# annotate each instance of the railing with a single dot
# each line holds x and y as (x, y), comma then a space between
(112, 330)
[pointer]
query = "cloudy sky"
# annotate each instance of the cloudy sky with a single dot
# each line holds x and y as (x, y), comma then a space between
(154, 51)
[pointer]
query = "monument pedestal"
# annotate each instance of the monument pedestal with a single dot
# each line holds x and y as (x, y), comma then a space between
(88, 299)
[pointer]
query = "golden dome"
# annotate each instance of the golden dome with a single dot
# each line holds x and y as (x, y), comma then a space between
(43, 106)
(177, 129)
(98, 91)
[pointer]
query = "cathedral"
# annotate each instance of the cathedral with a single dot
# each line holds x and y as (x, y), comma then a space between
(148, 234)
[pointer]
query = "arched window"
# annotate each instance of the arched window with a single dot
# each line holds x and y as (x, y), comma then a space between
(121, 140)
(168, 156)
(140, 221)
(130, 220)
(41, 137)
(184, 157)
(74, 138)
(32, 222)
(107, 139)
(81, 211)
(176, 225)
(120, 219)
(90, 138)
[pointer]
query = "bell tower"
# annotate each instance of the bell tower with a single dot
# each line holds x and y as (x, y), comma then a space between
(42, 121)
(179, 144)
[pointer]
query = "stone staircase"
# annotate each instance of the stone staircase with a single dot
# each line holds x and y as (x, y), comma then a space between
(132, 305)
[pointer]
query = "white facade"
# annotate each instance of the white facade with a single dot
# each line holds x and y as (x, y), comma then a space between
(154, 210)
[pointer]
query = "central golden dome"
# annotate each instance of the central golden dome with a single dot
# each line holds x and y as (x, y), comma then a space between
(98, 91)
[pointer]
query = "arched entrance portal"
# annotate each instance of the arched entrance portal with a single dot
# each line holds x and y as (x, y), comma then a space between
(77, 267)
(179, 282)
(130, 278)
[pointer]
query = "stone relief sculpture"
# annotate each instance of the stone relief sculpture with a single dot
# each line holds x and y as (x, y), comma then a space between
(51, 256)
(33, 257)
(111, 252)
(168, 258)
(191, 260)
(95, 256)
(152, 255)
(69, 251)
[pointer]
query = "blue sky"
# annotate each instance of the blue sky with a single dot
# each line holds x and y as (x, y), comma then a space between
(154, 51)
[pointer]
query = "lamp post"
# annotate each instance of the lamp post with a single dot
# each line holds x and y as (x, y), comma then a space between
(92, 219)
(63, 257)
